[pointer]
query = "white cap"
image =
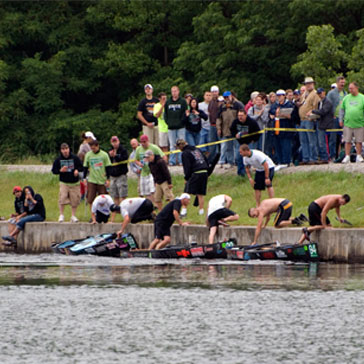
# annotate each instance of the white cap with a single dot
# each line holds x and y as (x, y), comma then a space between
(90, 134)
(281, 92)
(333, 85)
(253, 95)
(148, 85)
(184, 195)
(102, 199)
(220, 98)
(214, 88)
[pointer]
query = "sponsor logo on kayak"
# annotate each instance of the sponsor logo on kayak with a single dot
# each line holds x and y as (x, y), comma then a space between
(197, 252)
(184, 253)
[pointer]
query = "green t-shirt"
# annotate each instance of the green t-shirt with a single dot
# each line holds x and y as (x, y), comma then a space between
(354, 110)
(338, 107)
(139, 155)
(97, 164)
(162, 126)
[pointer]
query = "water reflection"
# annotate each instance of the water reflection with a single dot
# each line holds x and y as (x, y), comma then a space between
(184, 274)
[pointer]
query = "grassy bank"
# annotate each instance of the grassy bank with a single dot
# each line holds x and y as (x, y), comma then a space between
(300, 188)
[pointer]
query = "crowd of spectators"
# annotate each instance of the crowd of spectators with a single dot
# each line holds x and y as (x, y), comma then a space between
(301, 126)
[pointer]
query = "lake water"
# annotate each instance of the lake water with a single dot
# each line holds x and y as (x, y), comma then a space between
(60, 309)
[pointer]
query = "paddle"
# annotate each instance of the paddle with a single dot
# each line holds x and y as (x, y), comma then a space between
(344, 221)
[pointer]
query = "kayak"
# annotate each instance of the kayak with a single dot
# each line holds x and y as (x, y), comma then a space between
(103, 244)
(210, 251)
(274, 251)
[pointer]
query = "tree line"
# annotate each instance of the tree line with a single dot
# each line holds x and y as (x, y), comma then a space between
(71, 66)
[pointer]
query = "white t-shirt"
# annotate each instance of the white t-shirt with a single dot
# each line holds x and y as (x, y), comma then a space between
(103, 208)
(257, 159)
(129, 206)
(216, 203)
(204, 106)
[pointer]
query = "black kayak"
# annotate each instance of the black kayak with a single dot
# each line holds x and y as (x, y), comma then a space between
(210, 251)
(274, 251)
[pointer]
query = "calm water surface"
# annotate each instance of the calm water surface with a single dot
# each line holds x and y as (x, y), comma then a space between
(59, 309)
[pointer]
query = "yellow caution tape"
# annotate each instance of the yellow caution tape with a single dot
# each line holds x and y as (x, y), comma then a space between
(230, 139)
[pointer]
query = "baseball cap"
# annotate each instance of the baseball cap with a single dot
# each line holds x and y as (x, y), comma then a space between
(226, 94)
(114, 208)
(281, 92)
(144, 138)
(320, 89)
(220, 98)
(184, 195)
(148, 85)
(148, 153)
(296, 92)
(90, 134)
(17, 189)
(114, 138)
(180, 142)
(214, 89)
(333, 85)
(102, 200)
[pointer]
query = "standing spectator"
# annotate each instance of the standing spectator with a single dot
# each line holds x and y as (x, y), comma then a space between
(188, 98)
(282, 111)
(272, 98)
(264, 168)
(68, 166)
(35, 211)
(241, 127)
(228, 113)
(250, 103)
(133, 165)
(309, 102)
(147, 188)
(259, 113)
(158, 112)
(118, 172)
(326, 121)
(100, 210)
(195, 168)
(213, 110)
(204, 135)
(352, 118)
(295, 118)
(175, 116)
(289, 95)
(235, 99)
(194, 118)
(162, 178)
(145, 114)
(98, 163)
(87, 138)
(336, 96)
(19, 208)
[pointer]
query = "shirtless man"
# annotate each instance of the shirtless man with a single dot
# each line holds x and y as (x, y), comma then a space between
(281, 206)
(317, 212)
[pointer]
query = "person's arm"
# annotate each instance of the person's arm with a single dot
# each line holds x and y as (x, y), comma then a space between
(266, 174)
(258, 229)
(187, 170)
(158, 112)
(125, 223)
(326, 108)
(203, 115)
(178, 219)
(327, 207)
(267, 218)
(228, 201)
(338, 213)
(56, 167)
(247, 170)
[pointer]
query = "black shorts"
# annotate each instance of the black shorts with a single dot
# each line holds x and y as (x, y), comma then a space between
(144, 212)
(218, 215)
(160, 230)
(197, 184)
(314, 214)
(100, 217)
(284, 212)
(260, 179)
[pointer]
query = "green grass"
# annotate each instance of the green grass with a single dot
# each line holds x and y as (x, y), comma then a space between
(300, 188)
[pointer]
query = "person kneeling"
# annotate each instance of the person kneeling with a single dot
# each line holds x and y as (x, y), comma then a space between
(100, 209)
(166, 218)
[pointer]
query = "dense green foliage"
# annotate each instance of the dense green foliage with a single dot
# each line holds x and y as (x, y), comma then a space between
(70, 66)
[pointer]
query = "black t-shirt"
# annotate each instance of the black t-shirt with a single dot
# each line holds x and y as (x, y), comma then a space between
(146, 107)
(19, 205)
(166, 216)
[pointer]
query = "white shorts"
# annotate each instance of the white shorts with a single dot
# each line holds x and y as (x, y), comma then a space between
(146, 185)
